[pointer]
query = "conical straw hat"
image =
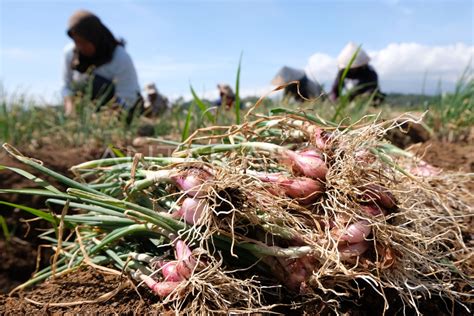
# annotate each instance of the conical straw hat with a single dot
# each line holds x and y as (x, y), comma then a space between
(346, 54)
(287, 74)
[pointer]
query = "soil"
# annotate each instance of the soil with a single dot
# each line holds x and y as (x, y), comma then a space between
(448, 156)
(53, 157)
(84, 284)
(18, 256)
(409, 133)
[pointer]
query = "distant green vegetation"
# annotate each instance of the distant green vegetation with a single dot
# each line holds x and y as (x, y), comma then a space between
(410, 100)
(23, 122)
(452, 115)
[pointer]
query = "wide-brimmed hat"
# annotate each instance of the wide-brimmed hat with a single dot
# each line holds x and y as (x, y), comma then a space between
(151, 89)
(225, 89)
(346, 54)
(287, 74)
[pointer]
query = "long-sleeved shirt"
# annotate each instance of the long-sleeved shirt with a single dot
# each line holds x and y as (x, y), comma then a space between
(120, 70)
(365, 78)
(309, 89)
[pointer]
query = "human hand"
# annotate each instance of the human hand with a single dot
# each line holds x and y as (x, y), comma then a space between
(69, 107)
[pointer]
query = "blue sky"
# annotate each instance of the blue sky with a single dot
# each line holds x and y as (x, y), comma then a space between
(175, 43)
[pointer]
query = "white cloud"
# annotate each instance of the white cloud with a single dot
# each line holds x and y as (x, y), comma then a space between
(412, 59)
(402, 66)
(321, 67)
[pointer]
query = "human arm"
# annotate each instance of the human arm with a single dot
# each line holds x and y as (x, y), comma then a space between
(68, 106)
(66, 90)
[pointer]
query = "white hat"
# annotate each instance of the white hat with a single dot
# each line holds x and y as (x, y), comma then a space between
(225, 89)
(151, 89)
(287, 74)
(346, 54)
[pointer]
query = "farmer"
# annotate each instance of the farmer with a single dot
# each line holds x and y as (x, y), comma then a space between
(361, 78)
(97, 61)
(308, 89)
(155, 103)
(226, 96)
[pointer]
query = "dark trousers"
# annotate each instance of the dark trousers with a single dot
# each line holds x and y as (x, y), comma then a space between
(103, 90)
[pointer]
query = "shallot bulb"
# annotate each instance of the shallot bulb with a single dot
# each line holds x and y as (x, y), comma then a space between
(191, 210)
(170, 271)
(350, 251)
(373, 209)
(305, 190)
(321, 138)
(180, 269)
(186, 262)
(380, 196)
(308, 163)
(193, 182)
(160, 288)
(424, 169)
(354, 233)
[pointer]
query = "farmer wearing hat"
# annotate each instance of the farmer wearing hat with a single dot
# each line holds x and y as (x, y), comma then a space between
(308, 89)
(361, 76)
(98, 60)
(155, 103)
(226, 96)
